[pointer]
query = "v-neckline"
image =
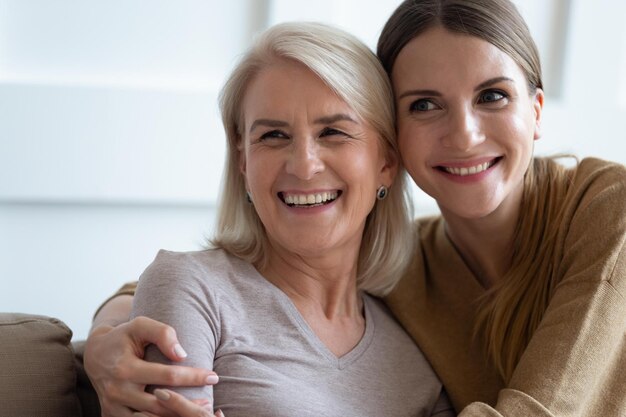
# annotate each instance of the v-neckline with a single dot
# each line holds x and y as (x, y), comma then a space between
(340, 362)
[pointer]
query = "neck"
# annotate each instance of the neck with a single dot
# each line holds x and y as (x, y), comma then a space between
(323, 285)
(486, 244)
(324, 291)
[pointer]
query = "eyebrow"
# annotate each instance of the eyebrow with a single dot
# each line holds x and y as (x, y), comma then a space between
(267, 123)
(324, 120)
(432, 93)
(493, 81)
(435, 93)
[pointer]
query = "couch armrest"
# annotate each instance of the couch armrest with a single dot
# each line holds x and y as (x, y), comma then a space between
(37, 371)
(86, 394)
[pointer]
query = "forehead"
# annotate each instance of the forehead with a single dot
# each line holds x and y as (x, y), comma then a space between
(441, 56)
(286, 88)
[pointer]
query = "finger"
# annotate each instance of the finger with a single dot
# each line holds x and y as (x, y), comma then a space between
(181, 405)
(145, 414)
(143, 401)
(145, 330)
(114, 410)
(150, 373)
(202, 402)
(219, 413)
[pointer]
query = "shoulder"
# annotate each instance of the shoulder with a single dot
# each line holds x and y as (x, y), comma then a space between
(191, 270)
(427, 225)
(428, 231)
(385, 322)
(598, 188)
(594, 222)
(597, 176)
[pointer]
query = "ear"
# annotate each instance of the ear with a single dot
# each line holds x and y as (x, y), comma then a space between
(389, 168)
(538, 109)
(241, 150)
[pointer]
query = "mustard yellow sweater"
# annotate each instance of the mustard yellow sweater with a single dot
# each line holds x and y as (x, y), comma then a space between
(575, 363)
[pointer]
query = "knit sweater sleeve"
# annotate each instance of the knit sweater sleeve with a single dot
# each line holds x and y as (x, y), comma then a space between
(575, 363)
(127, 289)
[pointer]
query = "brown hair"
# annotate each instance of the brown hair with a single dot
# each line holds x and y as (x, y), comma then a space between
(495, 21)
(514, 307)
(511, 310)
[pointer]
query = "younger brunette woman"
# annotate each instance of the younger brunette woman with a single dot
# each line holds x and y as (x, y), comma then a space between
(517, 292)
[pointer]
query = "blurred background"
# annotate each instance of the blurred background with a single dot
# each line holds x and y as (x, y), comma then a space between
(111, 144)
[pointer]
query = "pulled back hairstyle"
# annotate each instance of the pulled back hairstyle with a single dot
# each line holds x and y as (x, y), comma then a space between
(354, 73)
(511, 311)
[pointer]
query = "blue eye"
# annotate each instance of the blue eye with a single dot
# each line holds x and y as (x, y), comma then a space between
(423, 105)
(491, 96)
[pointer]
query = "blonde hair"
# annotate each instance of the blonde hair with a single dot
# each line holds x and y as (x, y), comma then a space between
(512, 310)
(352, 71)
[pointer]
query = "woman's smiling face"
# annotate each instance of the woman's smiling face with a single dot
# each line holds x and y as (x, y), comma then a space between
(311, 165)
(466, 121)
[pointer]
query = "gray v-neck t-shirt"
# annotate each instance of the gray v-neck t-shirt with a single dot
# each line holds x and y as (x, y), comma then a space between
(270, 363)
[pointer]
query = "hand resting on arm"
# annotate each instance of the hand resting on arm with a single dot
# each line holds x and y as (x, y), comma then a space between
(114, 362)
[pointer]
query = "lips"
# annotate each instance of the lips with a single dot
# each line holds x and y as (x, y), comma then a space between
(309, 199)
(469, 170)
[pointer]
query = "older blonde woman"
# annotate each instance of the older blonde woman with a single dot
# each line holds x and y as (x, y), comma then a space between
(311, 222)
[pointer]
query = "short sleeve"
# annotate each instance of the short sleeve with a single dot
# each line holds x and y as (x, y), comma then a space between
(173, 290)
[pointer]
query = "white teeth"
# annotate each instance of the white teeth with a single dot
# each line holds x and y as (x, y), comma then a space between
(308, 199)
(468, 171)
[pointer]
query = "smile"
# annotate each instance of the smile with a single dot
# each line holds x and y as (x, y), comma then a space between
(465, 171)
(309, 200)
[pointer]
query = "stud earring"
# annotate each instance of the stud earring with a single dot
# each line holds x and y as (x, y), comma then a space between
(248, 197)
(381, 193)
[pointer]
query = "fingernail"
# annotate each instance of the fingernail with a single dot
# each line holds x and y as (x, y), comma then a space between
(139, 415)
(162, 394)
(179, 351)
(205, 403)
(212, 379)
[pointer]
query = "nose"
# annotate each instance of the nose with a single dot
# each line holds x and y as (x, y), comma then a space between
(305, 158)
(464, 130)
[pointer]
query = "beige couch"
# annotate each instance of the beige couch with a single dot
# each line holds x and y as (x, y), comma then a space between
(41, 370)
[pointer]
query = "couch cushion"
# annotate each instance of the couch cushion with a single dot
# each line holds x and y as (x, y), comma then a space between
(37, 374)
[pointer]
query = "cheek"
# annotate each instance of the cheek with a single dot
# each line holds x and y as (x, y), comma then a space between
(520, 130)
(260, 173)
(411, 145)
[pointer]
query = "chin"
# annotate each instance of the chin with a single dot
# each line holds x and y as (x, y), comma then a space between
(469, 212)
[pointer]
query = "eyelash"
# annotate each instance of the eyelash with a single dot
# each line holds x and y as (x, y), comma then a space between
(277, 134)
(329, 131)
(413, 107)
(273, 134)
(500, 93)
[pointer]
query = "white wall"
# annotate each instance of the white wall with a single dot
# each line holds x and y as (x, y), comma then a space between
(111, 145)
